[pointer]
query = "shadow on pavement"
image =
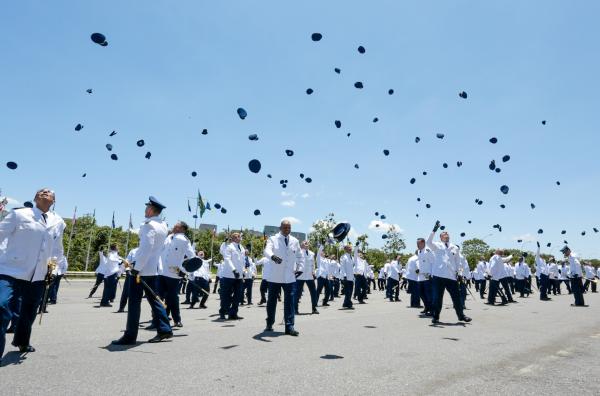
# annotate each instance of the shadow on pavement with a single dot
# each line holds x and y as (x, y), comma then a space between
(120, 348)
(444, 324)
(331, 357)
(268, 334)
(13, 357)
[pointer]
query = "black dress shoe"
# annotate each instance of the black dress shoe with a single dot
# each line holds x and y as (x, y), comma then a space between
(235, 317)
(123, 341)
(222, 317)
(261, 302)
(191, 306)
(202, 306)
(26, 349)
(324, 305)
(120, 311)
(178, 324)
(269, 328)
(314, 311)
(160, 337)
(435, 321)
(106, 305)
(465, 319)
(513, 302)
(250, 303)
(292, 332)
(150, 327)
(186, 302)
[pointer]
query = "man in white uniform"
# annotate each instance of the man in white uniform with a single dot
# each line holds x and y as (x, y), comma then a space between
(307, 278)
(145, 272)
(287, 263)
(576, 277)
(444, 273)
(111, 273)
(33, 245)
(231, 278)
(202, 282)
(393, 280)
(347, 268)
(323, 275)
(176, 249)
(249, 275)
(541, 271)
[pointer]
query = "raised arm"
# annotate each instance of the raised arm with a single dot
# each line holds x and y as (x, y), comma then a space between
(430, 244)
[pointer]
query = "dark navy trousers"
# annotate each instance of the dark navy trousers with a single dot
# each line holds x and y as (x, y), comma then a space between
(159, 313)
(31, 294)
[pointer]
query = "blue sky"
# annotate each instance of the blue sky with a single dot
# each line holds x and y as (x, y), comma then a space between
(172, 69)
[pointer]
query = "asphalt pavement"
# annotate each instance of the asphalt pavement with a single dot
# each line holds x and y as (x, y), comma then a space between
(531, 347)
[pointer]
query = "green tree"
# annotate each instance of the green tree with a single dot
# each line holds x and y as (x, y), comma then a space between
(375, 257)
(394, 243)
(321, 229)
(474, 249)
(76, 244)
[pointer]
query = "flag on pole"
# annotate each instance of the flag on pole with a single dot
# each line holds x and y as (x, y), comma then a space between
(189, 207)
(207, 205)
(201, 204)
(113, 220)
(130, 223)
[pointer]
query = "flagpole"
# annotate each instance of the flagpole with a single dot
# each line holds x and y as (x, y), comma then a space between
(87, 257)
(128, 232)
(71, 234)
(112, 226)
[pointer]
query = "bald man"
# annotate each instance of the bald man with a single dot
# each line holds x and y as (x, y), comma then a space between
(287, 264)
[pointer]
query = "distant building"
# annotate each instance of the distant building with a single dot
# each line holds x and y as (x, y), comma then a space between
(209, 227)
(272, 230)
